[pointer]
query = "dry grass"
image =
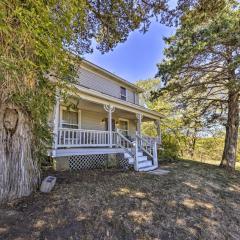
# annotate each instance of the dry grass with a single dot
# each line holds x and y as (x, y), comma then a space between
(216, 163)
(193, 201)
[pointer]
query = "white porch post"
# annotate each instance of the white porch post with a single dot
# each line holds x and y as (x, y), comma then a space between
(155, 155)
(110, 109)
(139, 123)
(56, 123)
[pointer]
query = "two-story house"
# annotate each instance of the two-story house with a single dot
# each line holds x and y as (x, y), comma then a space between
(101, 119)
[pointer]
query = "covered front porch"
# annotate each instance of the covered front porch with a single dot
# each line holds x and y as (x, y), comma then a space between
(86, 126)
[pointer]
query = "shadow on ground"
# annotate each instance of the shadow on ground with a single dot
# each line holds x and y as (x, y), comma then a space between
(193, 201)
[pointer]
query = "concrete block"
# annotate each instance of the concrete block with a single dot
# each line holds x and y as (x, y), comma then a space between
(48, 184)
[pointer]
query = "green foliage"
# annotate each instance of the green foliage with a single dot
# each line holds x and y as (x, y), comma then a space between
(170, 148)
(209, 148)
(178, 130)
(38, 103)
(170, 124)
(202, 61)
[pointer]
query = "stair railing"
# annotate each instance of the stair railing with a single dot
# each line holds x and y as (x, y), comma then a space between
(125, 143)
(153, 139)
(149, 147)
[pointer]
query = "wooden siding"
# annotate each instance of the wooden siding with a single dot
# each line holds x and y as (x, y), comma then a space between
(93, 120)
(132, 128)
(102, 84)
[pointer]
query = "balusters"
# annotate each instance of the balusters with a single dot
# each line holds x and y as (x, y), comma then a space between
(79, 137)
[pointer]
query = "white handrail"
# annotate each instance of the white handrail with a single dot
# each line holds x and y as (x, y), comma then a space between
(152, 139)
(145, 145)
(125, 143)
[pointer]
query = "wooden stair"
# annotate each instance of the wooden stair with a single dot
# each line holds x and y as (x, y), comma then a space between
(144, 163)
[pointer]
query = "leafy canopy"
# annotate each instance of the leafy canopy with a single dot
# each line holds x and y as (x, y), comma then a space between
(202, 62)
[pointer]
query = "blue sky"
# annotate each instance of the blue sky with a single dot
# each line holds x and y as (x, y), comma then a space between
(136, 58)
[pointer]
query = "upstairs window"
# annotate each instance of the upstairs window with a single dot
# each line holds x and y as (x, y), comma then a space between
(123, 93)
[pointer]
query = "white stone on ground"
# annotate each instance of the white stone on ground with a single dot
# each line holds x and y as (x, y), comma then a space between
(48, 184)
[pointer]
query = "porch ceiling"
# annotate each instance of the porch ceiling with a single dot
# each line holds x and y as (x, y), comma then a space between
(96, 107)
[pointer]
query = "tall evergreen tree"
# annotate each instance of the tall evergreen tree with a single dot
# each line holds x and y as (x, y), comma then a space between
(202, 70)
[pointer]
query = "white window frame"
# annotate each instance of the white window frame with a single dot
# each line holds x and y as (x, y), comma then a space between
(123, 95)
(124, 120)
(70, 110)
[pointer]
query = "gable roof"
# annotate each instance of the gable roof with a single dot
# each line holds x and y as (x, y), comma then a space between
(106, 73)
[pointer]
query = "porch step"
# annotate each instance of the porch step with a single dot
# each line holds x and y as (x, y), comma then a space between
(139, 154)
(127, 155)
(144, 164)
(146, 169)
(131, 160)
(142, 158)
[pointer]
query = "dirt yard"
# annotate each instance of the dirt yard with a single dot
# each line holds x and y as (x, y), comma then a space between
(193, 201)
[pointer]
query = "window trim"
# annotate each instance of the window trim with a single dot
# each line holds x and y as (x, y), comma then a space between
(124, 120)
(121, 87)
(70, 110)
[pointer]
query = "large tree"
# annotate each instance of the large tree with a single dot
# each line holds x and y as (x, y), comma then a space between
(34, 38)
(201, 67)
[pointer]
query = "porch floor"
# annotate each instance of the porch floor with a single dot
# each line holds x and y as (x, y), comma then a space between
(64, 152)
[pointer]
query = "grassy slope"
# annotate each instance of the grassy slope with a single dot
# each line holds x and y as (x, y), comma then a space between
(194, 201)
(216, 163)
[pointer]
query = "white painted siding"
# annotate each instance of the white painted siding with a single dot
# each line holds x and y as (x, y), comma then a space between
(132, 128)
(93, 120)
(137, 98)
(102, 84)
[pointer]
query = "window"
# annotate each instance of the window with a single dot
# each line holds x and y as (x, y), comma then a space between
(69, 118)
(123, 126)
(123, 93)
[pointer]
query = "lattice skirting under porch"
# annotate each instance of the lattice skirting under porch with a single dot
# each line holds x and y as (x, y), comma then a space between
(87, 161)
(95, 161)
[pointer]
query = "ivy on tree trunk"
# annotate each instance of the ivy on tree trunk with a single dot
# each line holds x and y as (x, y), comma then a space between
(19, 173)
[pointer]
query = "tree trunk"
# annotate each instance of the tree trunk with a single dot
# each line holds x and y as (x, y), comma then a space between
(193, 146)
(19, 173)
(231, 138)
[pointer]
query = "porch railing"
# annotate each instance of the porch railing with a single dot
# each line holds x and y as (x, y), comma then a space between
(153, 139)
(95, 138)
(84, 138)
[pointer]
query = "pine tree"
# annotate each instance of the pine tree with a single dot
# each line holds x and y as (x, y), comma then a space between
(201, 68)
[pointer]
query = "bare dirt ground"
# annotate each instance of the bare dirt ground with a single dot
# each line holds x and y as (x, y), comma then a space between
(193, 201)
